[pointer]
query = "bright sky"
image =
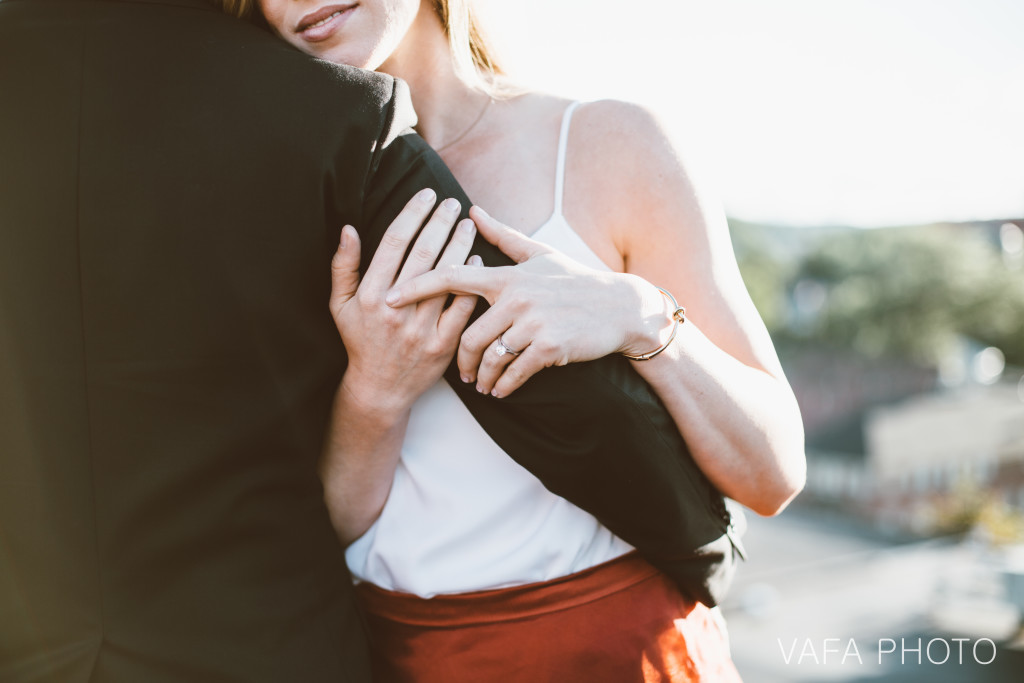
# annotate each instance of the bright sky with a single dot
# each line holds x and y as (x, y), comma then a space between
(859, 112)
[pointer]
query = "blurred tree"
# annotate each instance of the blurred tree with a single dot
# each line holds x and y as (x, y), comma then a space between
(765, 271)
(970, 507)
(913, 292)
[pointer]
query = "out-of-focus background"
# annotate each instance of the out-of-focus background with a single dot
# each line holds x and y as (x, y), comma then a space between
(870, 156)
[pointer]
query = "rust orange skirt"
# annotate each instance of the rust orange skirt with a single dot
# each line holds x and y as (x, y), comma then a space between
(620, 622)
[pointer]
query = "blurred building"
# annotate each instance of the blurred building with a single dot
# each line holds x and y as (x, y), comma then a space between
(902, 460)
(935, 443)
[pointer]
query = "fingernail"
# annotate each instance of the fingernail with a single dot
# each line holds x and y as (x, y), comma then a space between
(391, 298)
(481, 210)
(466, 379)
(467, 227)
(426, 195)
(451, 204)
(480, 389)
(495, 394)
(475, 260)
(344, 236)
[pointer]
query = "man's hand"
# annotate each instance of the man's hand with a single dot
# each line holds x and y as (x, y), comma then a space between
(397, 353)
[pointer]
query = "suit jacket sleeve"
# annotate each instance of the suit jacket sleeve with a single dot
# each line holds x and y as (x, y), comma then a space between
(594, 433)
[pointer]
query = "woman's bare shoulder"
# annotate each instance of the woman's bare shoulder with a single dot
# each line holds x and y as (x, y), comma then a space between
(631, 170)
(618, 115)
(626, 136)
(602, 126)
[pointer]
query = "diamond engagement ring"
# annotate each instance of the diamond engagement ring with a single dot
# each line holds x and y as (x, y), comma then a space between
(502, 348)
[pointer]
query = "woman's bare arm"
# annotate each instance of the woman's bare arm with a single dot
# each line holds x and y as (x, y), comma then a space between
(720, 378)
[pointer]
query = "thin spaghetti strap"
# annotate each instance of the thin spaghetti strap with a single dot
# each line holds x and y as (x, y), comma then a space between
(563, 143)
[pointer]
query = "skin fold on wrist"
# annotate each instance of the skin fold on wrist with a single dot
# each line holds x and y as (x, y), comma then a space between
(380, 404)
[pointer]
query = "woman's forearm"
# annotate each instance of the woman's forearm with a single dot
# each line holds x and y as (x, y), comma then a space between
(361, 452)
(742, 424)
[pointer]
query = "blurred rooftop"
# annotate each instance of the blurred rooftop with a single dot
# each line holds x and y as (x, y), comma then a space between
(813, 574)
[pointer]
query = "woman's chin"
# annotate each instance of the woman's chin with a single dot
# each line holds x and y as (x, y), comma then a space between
(346, 55)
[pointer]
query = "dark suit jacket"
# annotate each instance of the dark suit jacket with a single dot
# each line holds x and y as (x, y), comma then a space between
(172, 185)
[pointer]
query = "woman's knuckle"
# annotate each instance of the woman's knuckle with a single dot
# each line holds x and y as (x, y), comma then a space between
(546, 346)
(470, 340)
(520, 300)
(422, 254)
(531, 325)
(449, 274)
(514, 373)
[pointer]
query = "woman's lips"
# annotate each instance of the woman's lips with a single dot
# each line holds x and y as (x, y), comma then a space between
(322, 24)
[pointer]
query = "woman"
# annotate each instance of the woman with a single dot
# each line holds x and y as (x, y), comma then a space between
(462, 554)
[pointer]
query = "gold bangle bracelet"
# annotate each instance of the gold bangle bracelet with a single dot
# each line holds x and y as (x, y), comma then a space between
(678, 317)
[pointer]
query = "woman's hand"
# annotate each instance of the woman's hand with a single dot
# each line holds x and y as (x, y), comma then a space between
(546, 310)
(397, 353)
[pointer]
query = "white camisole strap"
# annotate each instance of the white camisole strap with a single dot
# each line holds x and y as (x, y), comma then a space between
(563, 144)
(556, 231)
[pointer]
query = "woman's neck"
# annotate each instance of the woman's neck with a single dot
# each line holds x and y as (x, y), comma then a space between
(447, 108)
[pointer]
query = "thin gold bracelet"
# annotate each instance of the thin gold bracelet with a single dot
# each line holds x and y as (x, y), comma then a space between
(678, 316)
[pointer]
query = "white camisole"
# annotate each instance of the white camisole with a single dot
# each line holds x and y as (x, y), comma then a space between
(462, 515)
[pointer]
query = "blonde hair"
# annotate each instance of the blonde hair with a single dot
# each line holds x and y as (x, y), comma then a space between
(473, 57)
(236, 8)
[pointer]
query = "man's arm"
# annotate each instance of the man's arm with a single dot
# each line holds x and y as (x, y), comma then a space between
(594, 433)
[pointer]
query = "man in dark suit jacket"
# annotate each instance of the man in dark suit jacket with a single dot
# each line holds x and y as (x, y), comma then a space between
(172, 186)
